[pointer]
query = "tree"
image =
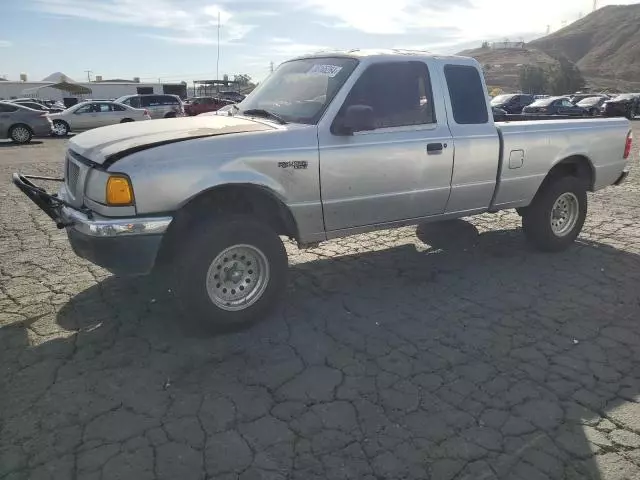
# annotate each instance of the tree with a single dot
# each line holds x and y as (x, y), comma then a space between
(533, 80)
(565, 78)
(242, 79)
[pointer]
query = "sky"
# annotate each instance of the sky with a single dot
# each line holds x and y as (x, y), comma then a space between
(174, 40)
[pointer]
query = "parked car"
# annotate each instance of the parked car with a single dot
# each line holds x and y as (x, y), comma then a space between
(554, 106)
(512, 103)
(198, 105)
(87, 115)
(625, 105)
(21, 124)
(208, 198)
(578, 97)
(158, 106)
(593, 105)
(227, 110)
(233, 96)
(36, 105)
(499, 115)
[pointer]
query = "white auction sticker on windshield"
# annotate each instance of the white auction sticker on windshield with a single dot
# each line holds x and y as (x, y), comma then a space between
(326, 70)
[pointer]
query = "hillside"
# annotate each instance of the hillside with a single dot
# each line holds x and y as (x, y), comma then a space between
(604, 45)
(502, 66)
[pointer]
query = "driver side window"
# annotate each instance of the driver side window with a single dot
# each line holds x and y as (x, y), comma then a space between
(85, 108)
(399, 93)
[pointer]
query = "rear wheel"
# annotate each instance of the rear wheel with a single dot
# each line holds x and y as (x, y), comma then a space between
(231, 273)
(126, 120)
(555, 217)
(20, 134)
(60, 128)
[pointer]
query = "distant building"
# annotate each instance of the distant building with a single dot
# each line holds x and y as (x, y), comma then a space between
(100, 90)
(506, 44)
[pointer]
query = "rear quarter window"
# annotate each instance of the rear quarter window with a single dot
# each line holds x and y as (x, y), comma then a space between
(7, 108)
(468, 98)
(168, 101)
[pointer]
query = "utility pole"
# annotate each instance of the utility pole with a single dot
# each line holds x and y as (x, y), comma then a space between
(218, 57)
(89, 72)
(595, 5)
(271, 67)
(548, 29)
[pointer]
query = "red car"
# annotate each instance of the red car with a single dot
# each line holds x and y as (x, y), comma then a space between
(197, 105)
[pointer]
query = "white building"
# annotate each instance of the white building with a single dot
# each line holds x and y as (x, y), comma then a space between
(103, 90)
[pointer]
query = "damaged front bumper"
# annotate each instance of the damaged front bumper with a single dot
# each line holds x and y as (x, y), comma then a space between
(125, 246)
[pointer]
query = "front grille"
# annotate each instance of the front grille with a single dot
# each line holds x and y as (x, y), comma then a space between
(73, 173)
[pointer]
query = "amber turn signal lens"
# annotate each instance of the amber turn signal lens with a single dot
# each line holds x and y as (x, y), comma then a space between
(119, 191)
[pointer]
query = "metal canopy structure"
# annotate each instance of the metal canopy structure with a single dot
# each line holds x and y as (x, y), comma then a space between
(209, 87)
(72, 88)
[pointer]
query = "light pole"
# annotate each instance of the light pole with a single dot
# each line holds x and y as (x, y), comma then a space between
(218, 57)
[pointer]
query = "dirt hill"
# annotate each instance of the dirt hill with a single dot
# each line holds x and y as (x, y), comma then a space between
(605, 46)
(502, 66)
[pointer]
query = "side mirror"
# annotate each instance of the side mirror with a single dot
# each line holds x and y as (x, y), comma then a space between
(356, 118)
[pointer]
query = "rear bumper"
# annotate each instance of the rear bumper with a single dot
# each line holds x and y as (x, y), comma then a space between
(41, 129)
(623, 176)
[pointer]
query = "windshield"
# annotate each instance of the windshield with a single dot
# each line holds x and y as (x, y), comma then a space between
(500, 99)
(589, 101)
(543, 102)
(300, 90)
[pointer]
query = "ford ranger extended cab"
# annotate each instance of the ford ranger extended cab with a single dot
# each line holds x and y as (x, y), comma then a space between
(329, 145)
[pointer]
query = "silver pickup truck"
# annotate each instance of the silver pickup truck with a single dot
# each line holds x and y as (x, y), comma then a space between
(329, 145)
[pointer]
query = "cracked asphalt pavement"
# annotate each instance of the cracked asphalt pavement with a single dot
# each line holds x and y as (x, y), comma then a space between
(448, 351)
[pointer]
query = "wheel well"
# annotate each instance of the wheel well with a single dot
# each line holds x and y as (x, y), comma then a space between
(125, 120)
(170, 115)
(577, 166)
(229, 199)
(20, 125)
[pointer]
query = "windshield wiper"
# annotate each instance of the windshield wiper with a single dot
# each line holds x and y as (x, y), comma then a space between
(260, 112)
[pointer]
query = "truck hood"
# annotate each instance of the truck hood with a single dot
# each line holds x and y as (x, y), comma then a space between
(103, 144)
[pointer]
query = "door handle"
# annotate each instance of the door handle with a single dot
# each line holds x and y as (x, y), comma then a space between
(433, 148)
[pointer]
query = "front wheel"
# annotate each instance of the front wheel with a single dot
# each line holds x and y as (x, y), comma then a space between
(60, 128)
(231, 273)
(20, 134)
(555, 217)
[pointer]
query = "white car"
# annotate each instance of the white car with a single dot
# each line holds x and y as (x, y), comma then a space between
(221, 111)
(87, 115)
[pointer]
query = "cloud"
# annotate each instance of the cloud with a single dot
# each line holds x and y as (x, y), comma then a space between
(5, 43)
(182, 22)
(379, 17)
(284, 47)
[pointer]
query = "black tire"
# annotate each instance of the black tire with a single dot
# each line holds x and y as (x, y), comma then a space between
(594, 112)
(196, 258)
(126, 120)
(537, 217)
(20, 134)
(170, 115)
(60, 128)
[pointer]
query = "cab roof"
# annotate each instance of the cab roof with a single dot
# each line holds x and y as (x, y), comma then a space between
(374, 54)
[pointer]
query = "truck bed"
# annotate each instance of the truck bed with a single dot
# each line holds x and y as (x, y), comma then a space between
(530, 148)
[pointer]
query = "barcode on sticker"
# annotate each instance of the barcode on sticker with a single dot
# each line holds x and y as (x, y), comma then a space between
(326, 70)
